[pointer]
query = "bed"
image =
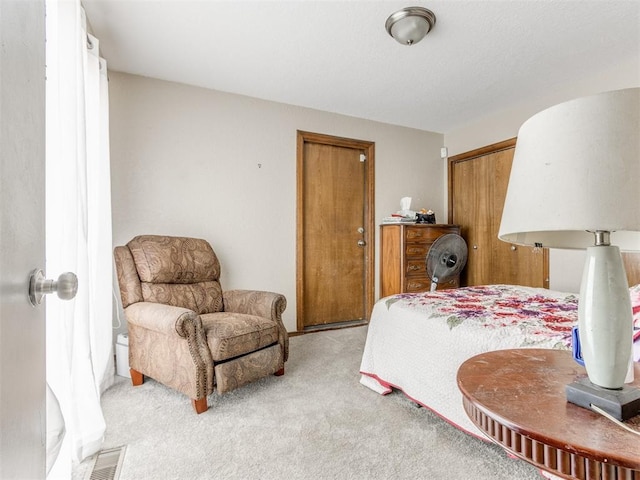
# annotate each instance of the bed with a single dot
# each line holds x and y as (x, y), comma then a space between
(416, 341)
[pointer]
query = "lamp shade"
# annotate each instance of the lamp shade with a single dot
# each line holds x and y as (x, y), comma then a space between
(576, 169)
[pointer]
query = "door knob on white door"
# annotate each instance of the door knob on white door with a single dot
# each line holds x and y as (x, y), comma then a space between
(66, 286)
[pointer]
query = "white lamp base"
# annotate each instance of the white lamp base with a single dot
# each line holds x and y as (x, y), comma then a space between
(605, 320)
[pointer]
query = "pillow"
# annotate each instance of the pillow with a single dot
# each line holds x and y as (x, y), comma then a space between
(635, 304)
(635, 308)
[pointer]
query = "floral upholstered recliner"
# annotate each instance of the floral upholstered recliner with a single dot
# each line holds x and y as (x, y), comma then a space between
(184, 331)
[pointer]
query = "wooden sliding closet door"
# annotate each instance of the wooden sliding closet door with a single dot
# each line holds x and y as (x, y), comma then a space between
(478, 183)
(472, 211)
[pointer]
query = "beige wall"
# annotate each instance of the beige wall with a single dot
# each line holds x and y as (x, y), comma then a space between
(197, 162)
(185, 161)
(505, 124)
(565, 265)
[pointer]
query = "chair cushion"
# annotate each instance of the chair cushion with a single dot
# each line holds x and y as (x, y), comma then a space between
(164, 259)
(231, 334)
(203, 297)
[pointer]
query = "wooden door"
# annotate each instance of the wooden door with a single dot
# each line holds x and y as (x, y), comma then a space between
(525, 265)
(335, 231)
(473, 214)
(478, 182)
(498, 171)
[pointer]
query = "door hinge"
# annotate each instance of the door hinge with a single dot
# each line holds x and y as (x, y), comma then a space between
(363, 157)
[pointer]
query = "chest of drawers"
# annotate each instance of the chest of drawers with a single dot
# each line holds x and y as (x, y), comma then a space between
(403, 253)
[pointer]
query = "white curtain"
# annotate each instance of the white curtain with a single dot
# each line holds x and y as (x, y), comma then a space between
(78, 228)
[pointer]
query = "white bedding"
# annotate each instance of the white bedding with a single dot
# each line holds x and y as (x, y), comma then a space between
(416, 342)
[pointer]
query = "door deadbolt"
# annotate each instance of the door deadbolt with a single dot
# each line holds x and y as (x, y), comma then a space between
(66, 286)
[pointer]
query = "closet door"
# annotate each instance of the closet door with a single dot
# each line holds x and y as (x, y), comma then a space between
(478, 183)
(509, 271)
(473, 214)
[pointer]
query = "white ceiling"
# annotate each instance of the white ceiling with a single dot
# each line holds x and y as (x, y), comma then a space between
(336, 56)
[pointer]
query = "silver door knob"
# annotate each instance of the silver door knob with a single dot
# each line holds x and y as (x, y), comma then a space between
(361, 243)
(66, 286)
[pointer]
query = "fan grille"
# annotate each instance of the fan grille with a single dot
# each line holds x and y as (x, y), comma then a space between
(446, 258)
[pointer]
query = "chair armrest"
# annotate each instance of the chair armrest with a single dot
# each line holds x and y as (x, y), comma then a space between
(263, 304)
(162, 318)
(169, 344)
(254, 302)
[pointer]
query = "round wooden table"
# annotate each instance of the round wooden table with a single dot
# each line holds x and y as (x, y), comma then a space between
(517, 398)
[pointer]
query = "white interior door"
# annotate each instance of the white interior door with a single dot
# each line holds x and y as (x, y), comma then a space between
(22, 238)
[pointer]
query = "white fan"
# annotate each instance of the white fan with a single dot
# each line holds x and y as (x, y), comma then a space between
(446, 258)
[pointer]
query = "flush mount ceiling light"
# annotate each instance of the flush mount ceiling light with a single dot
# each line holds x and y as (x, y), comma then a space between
(410, 25)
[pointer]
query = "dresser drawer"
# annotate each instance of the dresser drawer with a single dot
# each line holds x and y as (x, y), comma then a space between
(416, 250)
(416, 266)
(453, 283)
(417, 284)
(421, 234)
(423, 284)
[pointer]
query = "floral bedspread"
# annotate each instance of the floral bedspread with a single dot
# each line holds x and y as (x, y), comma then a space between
(538, 314)
(416, 342)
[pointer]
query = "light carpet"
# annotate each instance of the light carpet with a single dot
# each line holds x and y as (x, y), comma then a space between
(315, 422)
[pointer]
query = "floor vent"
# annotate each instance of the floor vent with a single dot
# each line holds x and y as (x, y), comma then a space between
(107, 464)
